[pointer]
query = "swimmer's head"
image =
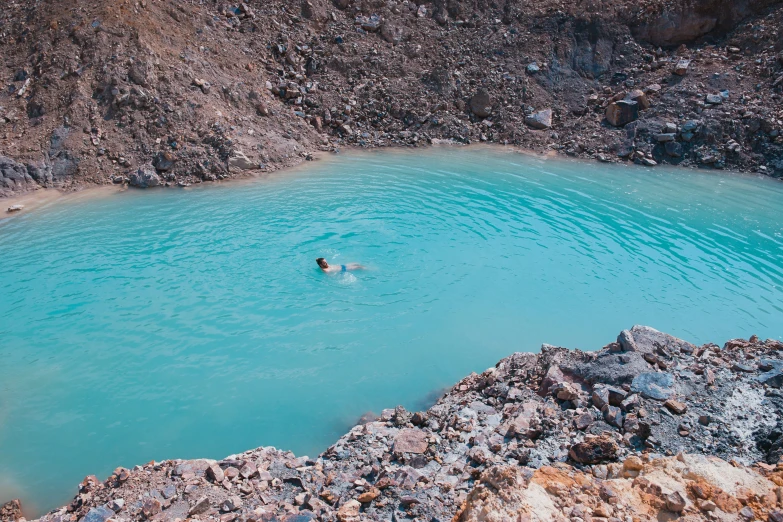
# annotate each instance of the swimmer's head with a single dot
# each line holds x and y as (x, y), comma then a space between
(322, 262)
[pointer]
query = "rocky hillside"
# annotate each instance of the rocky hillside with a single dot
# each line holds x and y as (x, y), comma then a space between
(154, 92)
(648, 428)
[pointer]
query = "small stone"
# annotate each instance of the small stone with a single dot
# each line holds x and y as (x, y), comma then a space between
(249, 470)
(706, 505)
(583, 421)
(654, 385)
(481, 103)
(369, 496)
(714, 99)
(747, 513)
(622, 112)
(675, 502)
(743, 368)
(98, 514)
(594, 450)
(633, 463)
(411, 441)
(613, 415)
(665, 137)
(640, 98)
(145, 177)
(349, 511)
(201, 506)
(675, 406)
(151, 507)
(681, 68)
(532, 68)
(673, 149)
(231, 504)
(117, 504)
(215, 473)
(540, 120)
(15, 208)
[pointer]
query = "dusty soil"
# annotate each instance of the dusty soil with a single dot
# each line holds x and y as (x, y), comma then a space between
(168, 92)
(650, 427)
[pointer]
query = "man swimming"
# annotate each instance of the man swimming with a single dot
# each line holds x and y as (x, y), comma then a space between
(326, 267)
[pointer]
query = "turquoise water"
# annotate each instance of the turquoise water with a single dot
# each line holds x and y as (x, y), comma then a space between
(195, 323)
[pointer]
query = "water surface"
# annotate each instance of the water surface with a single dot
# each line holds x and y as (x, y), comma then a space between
(194, 323)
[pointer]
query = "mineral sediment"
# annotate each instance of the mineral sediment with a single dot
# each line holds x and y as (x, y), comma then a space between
(650, 427)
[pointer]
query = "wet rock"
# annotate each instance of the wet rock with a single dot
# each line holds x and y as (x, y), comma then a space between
(144, 177)
(594, 450)
(654, 385)
(481, 104)
(622, 112)
(539, 120)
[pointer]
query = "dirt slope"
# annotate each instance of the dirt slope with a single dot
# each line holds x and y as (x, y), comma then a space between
(175, 92)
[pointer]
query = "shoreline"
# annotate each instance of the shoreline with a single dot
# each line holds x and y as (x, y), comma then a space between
(631, 408)
(44, 197)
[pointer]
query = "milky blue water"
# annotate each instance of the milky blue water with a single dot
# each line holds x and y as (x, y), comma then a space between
(195, 323)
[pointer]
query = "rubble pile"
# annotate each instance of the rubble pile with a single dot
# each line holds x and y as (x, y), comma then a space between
(649, 426)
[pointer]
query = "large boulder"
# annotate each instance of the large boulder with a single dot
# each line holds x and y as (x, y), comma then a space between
(145, 177)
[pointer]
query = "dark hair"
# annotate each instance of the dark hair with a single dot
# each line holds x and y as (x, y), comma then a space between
(322, 262)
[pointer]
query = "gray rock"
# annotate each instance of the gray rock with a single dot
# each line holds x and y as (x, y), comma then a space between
(201, 506)
(14, 177)
(625, 339)
(532, 68)
(481, 104)
(714, 99)
(773, 378)
(665, 137)
(654, 385)
(673, 149)
(540, 120)
(98, 514)
(145, 177)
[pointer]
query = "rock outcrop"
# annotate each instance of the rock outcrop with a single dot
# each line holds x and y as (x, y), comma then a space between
(650, 427)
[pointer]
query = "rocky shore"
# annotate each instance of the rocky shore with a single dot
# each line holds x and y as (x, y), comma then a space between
(650, 427)
(174, 92)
